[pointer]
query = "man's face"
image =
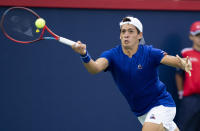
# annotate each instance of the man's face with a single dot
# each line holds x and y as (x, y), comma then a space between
(129, 35)
(195, 39)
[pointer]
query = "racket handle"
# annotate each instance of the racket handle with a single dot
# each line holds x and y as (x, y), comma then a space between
(66, 41)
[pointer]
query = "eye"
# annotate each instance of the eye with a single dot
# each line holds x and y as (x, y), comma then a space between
(130, 31)
(123, 31)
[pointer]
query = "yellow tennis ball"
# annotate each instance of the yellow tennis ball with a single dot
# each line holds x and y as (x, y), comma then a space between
(40, 23)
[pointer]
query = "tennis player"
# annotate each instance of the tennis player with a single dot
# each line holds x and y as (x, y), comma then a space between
(134, 67)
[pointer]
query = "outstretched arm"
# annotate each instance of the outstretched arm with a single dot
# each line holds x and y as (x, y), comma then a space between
(176, 61)
(92, 66)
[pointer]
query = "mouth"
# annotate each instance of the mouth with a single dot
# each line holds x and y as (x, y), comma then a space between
(126, 41)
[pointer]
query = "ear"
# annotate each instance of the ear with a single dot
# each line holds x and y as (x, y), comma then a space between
(140, 35)
(191, 37)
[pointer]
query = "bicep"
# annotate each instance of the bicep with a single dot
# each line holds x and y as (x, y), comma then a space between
(97, 66)
(102, 63)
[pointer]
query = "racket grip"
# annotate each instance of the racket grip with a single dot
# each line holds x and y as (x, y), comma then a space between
(66, 41)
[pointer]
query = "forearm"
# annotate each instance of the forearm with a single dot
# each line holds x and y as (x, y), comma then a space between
(179, 85)
(92, 67)
(182, 63)
(179, 82)
(172, 61)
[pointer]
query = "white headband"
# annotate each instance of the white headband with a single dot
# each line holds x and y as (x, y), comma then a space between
(133, 21)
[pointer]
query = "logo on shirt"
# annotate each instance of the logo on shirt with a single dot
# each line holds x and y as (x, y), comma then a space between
(152, 116)
(193, 59)
(139, 66)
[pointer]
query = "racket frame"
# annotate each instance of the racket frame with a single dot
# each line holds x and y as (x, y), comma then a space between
(55, 37)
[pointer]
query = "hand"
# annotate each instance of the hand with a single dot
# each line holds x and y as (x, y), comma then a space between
(79, 48)
(185, 63)
(180, 95)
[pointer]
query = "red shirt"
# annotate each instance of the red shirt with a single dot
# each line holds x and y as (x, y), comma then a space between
(192, 84)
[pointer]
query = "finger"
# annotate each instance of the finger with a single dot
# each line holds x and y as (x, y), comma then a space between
(187, 60)
(84, 48)
(189, 73)
(79, 42)
(178, 56)
(74, 45)
(189, 64)
(181, 59)
(81, 47)
(84, 51)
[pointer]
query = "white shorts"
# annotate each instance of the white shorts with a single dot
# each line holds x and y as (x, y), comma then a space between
(160, 114)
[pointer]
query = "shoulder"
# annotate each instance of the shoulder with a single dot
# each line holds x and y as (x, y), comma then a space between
(116, 48)
(186, 50)
(111, 52)
(147, 47)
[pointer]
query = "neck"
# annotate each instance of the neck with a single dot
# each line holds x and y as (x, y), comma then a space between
(130, 51)
(196, 47)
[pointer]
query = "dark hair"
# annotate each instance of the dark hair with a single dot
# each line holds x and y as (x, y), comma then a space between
(197, 34)
(125, 19)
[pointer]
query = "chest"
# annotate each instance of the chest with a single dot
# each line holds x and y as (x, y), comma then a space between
(133, 67)
(194, 58)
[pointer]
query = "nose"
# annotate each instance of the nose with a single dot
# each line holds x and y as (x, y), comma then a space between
(126, 34)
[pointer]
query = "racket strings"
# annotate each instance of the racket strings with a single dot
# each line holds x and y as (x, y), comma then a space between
(19, 24)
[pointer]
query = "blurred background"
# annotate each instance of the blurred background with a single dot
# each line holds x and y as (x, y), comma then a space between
(45, 87)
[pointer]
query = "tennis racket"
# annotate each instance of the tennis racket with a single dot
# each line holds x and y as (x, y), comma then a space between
(18, 25)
